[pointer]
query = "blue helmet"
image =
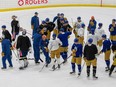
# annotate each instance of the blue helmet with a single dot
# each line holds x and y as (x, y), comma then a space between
(54, 36)
(47, 19)
(100, 24)
(3, 26)
(114, 20)
(90, 40)
(92, 31)
(104, 36)
(76, 40)
(62, 14)
(36, 12)
(43, 22)
(79, 17)
(83, 25)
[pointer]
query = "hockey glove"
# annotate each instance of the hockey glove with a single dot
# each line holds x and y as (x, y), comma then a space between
(111, 29)
(2, 54)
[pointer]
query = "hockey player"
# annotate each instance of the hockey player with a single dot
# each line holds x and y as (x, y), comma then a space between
(36, 39)
(77, 56)
(112, 30)
(23, 46)
(43, 28)
(15, 27)
(50, 27)
(54, 50)
(114, 58)
(56, 17)
(35, 23)
(89, 54)
(66, 26)
(81, 34)
(92, 24)
(56, 21)
(6, 33)
(99, 32)
(6, 52)
(93, 36)
(44, 46)
(77, 26)
(63, 36)
(106, 50)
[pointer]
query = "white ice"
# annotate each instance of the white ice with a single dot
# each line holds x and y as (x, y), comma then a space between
(31, 77)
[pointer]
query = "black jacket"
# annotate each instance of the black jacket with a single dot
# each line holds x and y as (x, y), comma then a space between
(90, 51)
(15, 26)
(50, 26)
(23, 43)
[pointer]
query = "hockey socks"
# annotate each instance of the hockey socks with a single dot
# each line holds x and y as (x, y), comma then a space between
(108, 64)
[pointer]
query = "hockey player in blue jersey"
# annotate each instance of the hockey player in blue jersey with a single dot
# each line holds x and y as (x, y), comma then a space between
(35, 23)
(92, 24)
(112, 30)
(36, 39)
(76, 56)
(114, 57)
(56, 17)
(44, 46)
(106, 50)
(6, 52)
(63, 36)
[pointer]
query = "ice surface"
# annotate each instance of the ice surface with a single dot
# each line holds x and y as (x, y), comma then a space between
(31, 77)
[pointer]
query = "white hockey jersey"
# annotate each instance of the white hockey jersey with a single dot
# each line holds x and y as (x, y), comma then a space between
(81, 32)
(99, 33)
(94, 37)
(54, 44)
(77, 25)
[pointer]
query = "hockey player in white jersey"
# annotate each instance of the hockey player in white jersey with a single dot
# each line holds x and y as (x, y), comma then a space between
(93, 36)
(81, 34)
(77, 25)
(53, 47)
(99, 32)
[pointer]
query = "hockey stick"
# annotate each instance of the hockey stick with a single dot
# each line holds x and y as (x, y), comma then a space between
(34, 59)
(42, 67)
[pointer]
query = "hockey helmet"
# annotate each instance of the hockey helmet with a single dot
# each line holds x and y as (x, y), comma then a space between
(62, 14)
(54, 36)
(83, 25)
(104, 36)
(90, 40)
(24, 32)
(76, 40)
(100, 24)
(79, 18)
(3, 26)
(43, 22)
(47, 19)
(36, 12)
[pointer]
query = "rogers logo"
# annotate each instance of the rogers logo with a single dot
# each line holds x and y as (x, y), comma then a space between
(31, 2)
(20, 2)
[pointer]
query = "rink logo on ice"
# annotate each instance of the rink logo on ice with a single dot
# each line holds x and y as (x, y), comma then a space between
(31, 2)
